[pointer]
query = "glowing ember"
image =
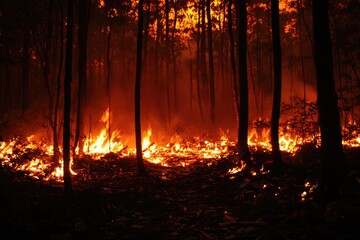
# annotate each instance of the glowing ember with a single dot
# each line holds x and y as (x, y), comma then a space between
(237, 169)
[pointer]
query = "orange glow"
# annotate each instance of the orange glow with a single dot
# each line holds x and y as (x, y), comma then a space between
(177, 152)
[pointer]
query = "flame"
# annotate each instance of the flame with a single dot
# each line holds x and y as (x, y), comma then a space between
(103, 143)
(36, 158)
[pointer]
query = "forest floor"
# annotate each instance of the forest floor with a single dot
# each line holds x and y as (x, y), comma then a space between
(110, 201)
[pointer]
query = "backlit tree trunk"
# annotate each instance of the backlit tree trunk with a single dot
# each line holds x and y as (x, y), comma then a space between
(241, 16)
(332, 154)
(84, 8)
(25, 67)
(211, 63)
(139, 155)
(275, 116)
(233, 63)
(67, 97)
(167, 57)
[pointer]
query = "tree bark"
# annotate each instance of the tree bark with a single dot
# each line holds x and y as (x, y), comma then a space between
(233, 63)
(84, 8)
(211, 63)
(275, 116)
(67, 98)
(167, 58)
(241, 16)
(332, 154)
(139, 155)
(25, 67)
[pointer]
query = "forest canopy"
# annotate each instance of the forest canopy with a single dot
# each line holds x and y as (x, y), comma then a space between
(176, 84)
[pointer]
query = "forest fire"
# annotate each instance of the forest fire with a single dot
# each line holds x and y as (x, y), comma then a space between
(37, 161)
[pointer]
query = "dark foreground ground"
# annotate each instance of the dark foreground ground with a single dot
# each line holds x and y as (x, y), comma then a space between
(110, 201)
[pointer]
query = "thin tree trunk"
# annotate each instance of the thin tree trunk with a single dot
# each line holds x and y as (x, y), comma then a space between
(233, 63)
(211, 63)
(174, 57)
(108, 80)
(139, 155)
(25, 68)
(191, 77)
(203, 45)
(84, 11)
(241, 16)
(167, 58)
(58, 88)
(67, 98)
(302, 62)
(198, 63)
(275, 116)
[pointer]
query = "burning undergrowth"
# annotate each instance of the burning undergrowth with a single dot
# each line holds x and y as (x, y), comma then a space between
(299, 141)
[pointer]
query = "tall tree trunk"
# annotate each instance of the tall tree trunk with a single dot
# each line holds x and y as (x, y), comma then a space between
(67, 98)
(233, 62)
(58, 87)
(146, 38)
(211, 63)
(275, 116)
(191, 77)
(139, 155)
(302, 63)
(241, 16)
(25, 68)
(108, 80)
(167, 58)
(84, 11)
(198, 62)
(332, 154)
(203, 45)
(174, 56)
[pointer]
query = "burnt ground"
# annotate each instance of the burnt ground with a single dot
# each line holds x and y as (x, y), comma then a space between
(110, 201)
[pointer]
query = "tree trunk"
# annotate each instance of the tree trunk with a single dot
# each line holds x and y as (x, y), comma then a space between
(67, 98)
(58, 88)
(233, 63)
(332, 154)
(241, 16)
(275, 116)
(167, 58)
(174, 57)
(84, 8)
(25, 68)
(108, 80)
(302, 63)
(198, 63)
(203, 45)
(139, 155)
(211, 63)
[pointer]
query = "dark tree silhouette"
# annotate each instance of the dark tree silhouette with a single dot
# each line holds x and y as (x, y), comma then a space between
(211, 63)
(26, 59)
(167, 58)
(275, 116)
(233, 62)
(139, 155)
(84, 12)
(241, 20)
(67, 97)
(332, 154)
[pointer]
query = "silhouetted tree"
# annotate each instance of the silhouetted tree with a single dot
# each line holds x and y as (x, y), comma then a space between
(233, 62)
(332, 155)
(211, 63)
(275, 116)
(139, 155)
(241, 20)
(84, 13)
(67, 97)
